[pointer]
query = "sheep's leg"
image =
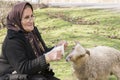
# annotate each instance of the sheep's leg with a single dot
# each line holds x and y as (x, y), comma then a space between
(83, 78)
(86, 79)
(91, 79)
(104, 78)
(117, 75)
(116, 72)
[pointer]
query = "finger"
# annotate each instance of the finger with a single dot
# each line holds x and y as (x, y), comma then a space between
(59, 51)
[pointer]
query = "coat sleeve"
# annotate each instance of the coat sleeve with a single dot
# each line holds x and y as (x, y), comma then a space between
(15, 52)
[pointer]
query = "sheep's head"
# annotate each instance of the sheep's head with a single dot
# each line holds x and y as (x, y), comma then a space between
(78, 52)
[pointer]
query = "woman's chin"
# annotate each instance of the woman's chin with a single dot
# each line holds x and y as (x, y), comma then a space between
(29, 29)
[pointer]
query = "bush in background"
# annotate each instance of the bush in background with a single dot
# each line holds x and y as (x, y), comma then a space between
(5, 7)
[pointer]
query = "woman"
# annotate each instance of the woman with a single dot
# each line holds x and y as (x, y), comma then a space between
(24, 53)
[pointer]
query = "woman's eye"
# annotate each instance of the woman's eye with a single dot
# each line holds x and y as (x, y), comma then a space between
(27, 17)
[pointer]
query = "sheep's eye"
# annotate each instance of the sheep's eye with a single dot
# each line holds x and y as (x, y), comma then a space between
(82, 55)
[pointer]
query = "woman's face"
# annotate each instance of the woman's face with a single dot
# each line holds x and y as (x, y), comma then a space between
(27, 19)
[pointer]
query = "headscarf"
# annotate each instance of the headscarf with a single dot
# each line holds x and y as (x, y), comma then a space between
(15, 16)
(14, 23)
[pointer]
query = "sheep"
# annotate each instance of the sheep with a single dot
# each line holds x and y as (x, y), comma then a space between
(95, 63)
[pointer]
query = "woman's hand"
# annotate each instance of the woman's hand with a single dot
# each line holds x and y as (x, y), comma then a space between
(54, 55)
(57, 52)
(63, 42)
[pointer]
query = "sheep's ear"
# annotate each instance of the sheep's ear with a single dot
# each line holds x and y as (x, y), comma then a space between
(87, 52)
(77, 42)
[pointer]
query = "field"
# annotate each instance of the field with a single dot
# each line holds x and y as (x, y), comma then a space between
(91, 27)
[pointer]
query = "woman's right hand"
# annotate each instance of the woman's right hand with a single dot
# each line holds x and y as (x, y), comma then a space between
(54, 55)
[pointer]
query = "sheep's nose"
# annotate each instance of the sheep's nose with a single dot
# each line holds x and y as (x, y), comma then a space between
(68, 58)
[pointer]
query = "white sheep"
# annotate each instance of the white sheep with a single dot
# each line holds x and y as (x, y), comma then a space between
(95, 63)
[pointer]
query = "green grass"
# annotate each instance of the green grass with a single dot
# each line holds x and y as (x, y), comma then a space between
(96, 27)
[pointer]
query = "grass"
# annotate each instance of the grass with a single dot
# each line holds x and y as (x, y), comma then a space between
(91, 27)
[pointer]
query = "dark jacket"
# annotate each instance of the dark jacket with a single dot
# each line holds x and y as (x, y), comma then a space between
(17, 54)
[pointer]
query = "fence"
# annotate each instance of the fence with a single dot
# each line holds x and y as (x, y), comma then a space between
(69, 1)
(80, 1)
